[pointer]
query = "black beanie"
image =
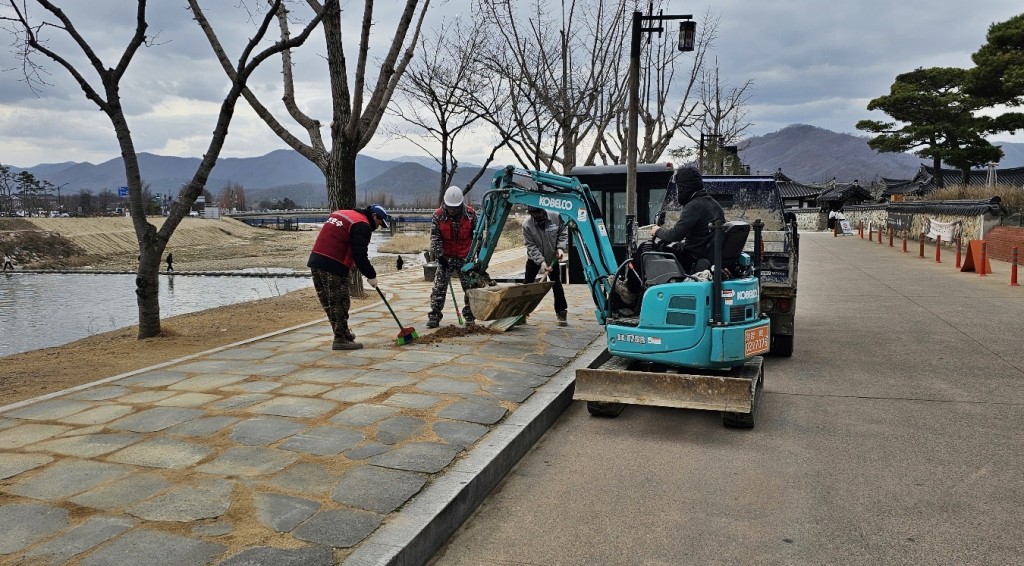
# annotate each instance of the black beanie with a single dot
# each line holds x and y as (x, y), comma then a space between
(688, 181)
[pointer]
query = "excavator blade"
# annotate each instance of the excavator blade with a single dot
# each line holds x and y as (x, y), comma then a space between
(617, 380)
(506, 301)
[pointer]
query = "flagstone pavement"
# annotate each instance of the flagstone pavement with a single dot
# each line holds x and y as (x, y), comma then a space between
(279, 450)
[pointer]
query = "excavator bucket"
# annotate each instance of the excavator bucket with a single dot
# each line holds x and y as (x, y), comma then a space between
(506, 301)
(612, 379)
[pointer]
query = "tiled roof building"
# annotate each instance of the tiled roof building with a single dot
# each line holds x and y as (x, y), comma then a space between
(924, 182)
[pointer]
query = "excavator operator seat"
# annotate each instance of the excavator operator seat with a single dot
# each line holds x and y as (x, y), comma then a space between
(734, 238)
(661, 267)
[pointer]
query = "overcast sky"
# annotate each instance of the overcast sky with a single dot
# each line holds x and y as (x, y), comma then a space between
(811, 62)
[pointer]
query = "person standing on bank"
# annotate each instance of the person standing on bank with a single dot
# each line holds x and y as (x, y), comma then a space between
(546, 238)
(451, 233)
(342, 245)
(692, 229)
(170, 261)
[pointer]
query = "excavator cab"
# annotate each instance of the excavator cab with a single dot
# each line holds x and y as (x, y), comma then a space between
(707, 319)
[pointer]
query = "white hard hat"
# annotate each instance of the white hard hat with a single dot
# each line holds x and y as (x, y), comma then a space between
(453, 196)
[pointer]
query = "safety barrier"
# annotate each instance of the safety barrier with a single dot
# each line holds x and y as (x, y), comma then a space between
(1013, 267)
(977, 258)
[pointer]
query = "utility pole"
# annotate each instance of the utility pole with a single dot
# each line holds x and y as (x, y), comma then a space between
(687, 33)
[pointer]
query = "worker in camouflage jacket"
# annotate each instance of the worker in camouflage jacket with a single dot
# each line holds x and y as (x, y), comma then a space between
(451, 233)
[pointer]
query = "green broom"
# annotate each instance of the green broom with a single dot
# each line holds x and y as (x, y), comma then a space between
(408, 333)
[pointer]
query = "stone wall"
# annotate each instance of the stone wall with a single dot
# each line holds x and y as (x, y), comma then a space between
(975, 227)
(809, 219)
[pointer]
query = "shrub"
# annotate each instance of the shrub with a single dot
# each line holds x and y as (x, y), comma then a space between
(1012, 198)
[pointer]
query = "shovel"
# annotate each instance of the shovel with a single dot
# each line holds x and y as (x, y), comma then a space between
(408, 333)
(454, 302)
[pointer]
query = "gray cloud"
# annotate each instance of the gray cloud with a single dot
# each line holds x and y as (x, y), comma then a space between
(811, 62)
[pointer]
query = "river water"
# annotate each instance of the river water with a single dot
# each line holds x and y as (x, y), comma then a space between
(44, 310)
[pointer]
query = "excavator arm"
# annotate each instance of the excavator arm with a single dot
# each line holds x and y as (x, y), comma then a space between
(567, 197)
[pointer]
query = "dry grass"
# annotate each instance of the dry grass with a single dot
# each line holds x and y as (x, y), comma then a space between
(1012, 198)
(406, 244)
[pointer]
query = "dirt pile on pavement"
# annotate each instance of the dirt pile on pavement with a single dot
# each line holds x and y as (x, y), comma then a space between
(451, 331)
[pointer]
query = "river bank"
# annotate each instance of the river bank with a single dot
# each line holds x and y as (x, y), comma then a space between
(198, 245)
(217, 245)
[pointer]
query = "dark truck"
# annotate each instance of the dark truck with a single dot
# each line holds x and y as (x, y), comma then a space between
(749, 198)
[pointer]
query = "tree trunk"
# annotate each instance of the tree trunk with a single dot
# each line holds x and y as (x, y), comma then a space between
(341, 177)
(341, 191)
(151, 246)
(147, 292)
(937, 165)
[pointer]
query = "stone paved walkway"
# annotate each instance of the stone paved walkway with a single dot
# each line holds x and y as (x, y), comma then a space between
(273, 451)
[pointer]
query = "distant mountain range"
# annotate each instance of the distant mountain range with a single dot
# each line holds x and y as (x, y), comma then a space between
(811, 155)
(274, 176)
(806, 154)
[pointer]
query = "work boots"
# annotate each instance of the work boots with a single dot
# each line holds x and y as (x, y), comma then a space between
(345, 340)
(562, 318)
(345, 344)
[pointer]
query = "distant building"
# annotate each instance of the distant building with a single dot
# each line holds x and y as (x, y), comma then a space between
(924, 181)
(839, 195)
(830, 196)
(794, 194)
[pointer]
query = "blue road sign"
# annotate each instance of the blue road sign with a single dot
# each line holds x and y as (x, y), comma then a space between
(122, 191)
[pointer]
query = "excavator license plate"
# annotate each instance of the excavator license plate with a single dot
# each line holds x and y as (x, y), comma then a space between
(756, 341)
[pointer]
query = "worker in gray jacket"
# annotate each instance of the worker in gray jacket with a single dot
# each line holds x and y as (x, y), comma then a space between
(546, 239)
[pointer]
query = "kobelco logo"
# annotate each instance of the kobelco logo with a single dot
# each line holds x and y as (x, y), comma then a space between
(560, 204)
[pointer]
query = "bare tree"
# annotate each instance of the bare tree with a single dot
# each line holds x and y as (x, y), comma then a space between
(436, 95)
(106, 94)
(722, 118)
(667, 104)
(357, 104)
(562, 62)
(232, 197)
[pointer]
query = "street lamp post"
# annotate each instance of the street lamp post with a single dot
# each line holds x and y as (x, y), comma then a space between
(687, 32)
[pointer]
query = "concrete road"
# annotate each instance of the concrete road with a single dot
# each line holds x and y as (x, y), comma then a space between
(894, 435)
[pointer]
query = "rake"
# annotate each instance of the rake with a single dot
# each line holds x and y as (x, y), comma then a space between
(407, 333)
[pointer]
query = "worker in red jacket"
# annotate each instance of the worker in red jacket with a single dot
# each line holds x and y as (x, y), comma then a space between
(451, 232)
(343, 245)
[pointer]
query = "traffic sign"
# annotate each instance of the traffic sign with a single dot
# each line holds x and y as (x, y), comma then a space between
(122, 191)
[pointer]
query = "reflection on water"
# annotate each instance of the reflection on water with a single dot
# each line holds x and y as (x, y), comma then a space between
(39, 311)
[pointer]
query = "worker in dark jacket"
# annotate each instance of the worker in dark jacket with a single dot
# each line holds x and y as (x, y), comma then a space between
(343, 245)
(698, 212)
(451, 233)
